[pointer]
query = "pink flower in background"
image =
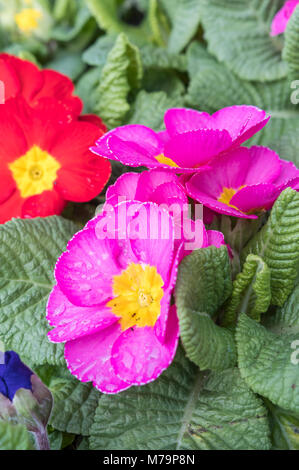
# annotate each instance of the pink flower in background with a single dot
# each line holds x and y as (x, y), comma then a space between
(111, 303)
(243, 182)
(283, 16)
(164, 187)
(191, 139)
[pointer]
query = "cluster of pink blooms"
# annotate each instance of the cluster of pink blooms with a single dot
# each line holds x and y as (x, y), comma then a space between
(113, 300)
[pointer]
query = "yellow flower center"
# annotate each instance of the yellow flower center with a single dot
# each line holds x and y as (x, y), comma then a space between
(27, 19)
(227, 194)
(34, 172)
(138, 293)
(165, 160)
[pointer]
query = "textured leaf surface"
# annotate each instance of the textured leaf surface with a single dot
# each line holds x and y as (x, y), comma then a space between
(75, 404)
(203, 284)
(14, 437)
(251, 291)
(149, 108)
(28, 251)
(185, 18)
(265, 362)
(183, 409)
(290, 51)
(284, 428)
(277, 243)
(238, 33)
(214, 86)
(121, 73)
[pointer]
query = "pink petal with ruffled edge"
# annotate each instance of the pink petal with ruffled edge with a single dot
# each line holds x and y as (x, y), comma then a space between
(241, 122)
(144, 138)
(215, 238)
(151, 180)
(213, 203)
(125, 186)
(155, 246)
(72, 321)
(191, 150)
(265, 166)
(255, 197)
(88, 260)
(89, 359)
(133, 145)
(288, 177)
(139, 357)
(282, 18)
(229, 171)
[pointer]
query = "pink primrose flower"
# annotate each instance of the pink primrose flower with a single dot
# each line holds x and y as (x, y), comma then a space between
(192, 139)
(243, 182)
(111, 304)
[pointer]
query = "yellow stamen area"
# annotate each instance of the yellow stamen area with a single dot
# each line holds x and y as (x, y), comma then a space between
(227, 194)
(165, 160)
(34, 172)
(138, 293)
(27, 20)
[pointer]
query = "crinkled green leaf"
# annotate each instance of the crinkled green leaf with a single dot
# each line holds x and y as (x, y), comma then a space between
(290, 50)
(66, 32)
(98, 52)
(14, 437)
(149, 108)
(74, 405)
(277, 243)
(238, 34)
(121, 74)
(251, 291)
(28, 251)
(215, 86)
(203, 285)
(183, 410)
(265, 363)
(284, 428)
(185, 16)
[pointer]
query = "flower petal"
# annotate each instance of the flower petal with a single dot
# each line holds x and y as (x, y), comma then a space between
(89, 359)
(138, 357)
(71, 321)
(254, 197)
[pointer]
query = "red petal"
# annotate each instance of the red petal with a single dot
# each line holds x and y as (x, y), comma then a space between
(60, 87)
(93, 119)
(43, 205)
(12, 207)
(9, 77)
(83, 175)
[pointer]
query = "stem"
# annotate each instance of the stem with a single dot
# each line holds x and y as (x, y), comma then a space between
(41, 440)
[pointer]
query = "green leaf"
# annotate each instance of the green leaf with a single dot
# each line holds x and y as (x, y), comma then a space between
(215, 87)
(121, 74)
(14, 437)
(251, 291)
(184, 410)
(75, 404)
(277, 243)
(203, 284)
(65, 32)
(265, 363)
(238, 34)
(151, 56)
(290, 51)
(286, 318)
(284, 428)
(185, 16)
(28, 251)
(149, 108)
